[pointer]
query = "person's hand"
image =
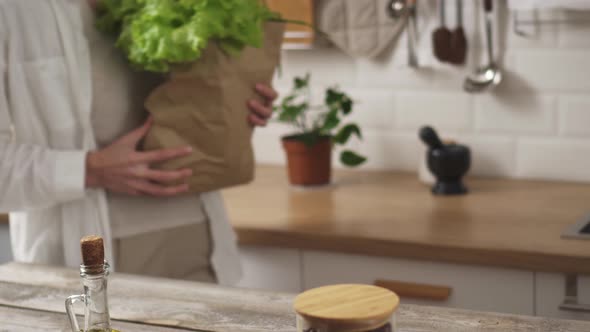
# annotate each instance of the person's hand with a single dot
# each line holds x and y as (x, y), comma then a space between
(261, 112)
(121, 168)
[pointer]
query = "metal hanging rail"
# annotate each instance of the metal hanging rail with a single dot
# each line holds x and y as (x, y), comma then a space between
(517, 24)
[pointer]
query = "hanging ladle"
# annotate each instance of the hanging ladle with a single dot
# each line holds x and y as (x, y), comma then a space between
(397, 8)
(489, 76)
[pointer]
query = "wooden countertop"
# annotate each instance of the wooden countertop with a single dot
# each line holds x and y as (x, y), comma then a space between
(501, 222)
(3, 219)
(32, 297)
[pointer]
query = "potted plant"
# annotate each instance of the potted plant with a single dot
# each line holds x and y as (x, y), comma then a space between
(319, 128)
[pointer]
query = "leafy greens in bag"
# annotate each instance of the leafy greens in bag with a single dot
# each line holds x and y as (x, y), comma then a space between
(213, 53)
(155, 34)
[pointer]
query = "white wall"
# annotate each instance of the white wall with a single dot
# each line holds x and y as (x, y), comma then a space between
(536, 125)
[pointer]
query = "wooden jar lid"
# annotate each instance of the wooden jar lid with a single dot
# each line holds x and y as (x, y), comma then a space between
(347, 307)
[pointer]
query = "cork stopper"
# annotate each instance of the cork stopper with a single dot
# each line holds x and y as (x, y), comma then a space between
(92, 250)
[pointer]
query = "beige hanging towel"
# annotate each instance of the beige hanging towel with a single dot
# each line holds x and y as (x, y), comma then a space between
(361, 28)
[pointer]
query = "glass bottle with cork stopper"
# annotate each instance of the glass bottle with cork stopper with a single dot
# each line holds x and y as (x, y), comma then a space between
(94, 273)
(346, 308)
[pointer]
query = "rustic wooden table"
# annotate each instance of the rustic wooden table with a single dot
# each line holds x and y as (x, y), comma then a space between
(32, 297)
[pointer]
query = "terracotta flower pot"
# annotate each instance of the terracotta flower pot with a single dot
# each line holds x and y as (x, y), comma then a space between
(308, 165)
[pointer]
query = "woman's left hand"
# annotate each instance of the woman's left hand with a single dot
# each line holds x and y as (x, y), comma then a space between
(260, 113)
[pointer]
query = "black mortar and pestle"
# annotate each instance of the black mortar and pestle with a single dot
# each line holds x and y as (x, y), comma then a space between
(447, 162)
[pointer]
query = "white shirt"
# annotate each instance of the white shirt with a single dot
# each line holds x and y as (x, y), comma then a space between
(118, 96)
(45, 133)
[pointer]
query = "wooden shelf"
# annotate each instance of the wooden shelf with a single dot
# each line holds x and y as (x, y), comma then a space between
(506, 223)
(3, 219)
(296, 36)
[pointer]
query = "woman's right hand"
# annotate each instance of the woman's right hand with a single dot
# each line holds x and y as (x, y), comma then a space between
(122, 168)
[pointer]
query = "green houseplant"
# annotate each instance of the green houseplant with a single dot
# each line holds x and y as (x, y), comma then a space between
(319, 127)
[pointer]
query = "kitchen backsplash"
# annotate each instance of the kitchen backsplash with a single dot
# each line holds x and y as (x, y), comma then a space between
(535, 125)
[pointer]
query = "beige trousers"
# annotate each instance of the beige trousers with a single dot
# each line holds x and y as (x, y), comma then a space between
(177, 253)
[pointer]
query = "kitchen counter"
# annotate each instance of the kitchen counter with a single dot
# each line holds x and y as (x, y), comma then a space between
(32, 297)
(508, 223)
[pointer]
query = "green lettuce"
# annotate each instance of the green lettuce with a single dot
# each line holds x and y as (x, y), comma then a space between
(155, 34)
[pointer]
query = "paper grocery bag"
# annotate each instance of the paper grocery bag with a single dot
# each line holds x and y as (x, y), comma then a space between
(204, 105)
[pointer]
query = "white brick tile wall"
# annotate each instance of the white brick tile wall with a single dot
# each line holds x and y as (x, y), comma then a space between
(450, 78)
(575, 35)
(328, 66)
(267, 143)
(535, 125)
(574, 112)
(391, 151)
(443, 110)
(491, 156)
(554, 159)
(380, 149)
(373, 109)
(537, 36)
(376, 74)
(555, 69)
(516, 113)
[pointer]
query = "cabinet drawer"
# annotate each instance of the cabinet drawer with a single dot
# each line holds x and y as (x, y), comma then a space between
(550, 293)
(471, 287)
(271, 269)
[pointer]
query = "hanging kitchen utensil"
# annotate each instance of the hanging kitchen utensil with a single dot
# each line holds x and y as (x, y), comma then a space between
(397, 8)
(412, 32)
(489, 76)
(458, 39)
(441, 37)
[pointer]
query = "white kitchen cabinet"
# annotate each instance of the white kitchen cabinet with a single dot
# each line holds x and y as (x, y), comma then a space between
(271, 269)
(550, 293)
(5, 252)
(473, 287)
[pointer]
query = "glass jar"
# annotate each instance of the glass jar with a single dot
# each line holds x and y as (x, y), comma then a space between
(346, 308)
(94, 299)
